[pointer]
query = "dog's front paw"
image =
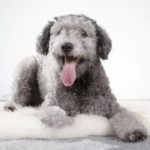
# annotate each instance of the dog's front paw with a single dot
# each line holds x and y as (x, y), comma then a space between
(55, 117)
(134, 133)
(127, 127)
(135, 136)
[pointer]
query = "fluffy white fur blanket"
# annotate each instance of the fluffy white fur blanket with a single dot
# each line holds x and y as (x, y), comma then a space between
(24, 123)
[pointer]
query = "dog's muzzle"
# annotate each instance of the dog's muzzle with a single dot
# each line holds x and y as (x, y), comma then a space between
(70, 62)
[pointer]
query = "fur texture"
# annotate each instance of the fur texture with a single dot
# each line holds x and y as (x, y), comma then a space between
(24, 123)
(68, 79)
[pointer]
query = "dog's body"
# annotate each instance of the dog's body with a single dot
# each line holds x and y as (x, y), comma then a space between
(67, 77)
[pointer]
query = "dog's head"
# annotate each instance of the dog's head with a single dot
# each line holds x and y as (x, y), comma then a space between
(76, 41)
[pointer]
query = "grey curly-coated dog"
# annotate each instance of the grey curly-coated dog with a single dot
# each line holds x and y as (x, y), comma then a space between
(66, 77)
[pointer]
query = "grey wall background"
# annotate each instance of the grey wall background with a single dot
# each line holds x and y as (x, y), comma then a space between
(126, 21)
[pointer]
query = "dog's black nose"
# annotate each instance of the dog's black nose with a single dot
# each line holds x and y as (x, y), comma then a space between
(67, 47)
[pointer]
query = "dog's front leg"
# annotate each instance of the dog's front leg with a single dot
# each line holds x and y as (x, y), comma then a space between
(127, 127)
(54, 116)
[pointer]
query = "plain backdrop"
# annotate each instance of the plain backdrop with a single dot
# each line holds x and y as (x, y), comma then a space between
(126, 21)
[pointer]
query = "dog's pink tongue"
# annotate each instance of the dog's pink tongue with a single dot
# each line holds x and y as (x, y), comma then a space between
(68, 73)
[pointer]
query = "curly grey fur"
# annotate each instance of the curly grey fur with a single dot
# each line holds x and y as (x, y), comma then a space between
(43, 40)
(104, 44)
(38, 81)
(26, 90)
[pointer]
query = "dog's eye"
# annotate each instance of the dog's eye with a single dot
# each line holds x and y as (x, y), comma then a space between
(84, 34)
(58, 32)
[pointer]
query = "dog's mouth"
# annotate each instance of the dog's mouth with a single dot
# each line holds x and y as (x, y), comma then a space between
(68, 73)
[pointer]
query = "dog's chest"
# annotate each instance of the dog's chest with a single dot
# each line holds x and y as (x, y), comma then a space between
(70, 102)
(74, 100)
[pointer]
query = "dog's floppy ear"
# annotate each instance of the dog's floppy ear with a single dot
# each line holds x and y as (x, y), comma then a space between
(42, 44)
(104, 44)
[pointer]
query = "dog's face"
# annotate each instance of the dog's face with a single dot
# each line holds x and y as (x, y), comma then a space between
(76, 42)
(73, 37)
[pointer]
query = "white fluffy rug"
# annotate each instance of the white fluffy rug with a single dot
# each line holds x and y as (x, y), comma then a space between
(24, 123)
